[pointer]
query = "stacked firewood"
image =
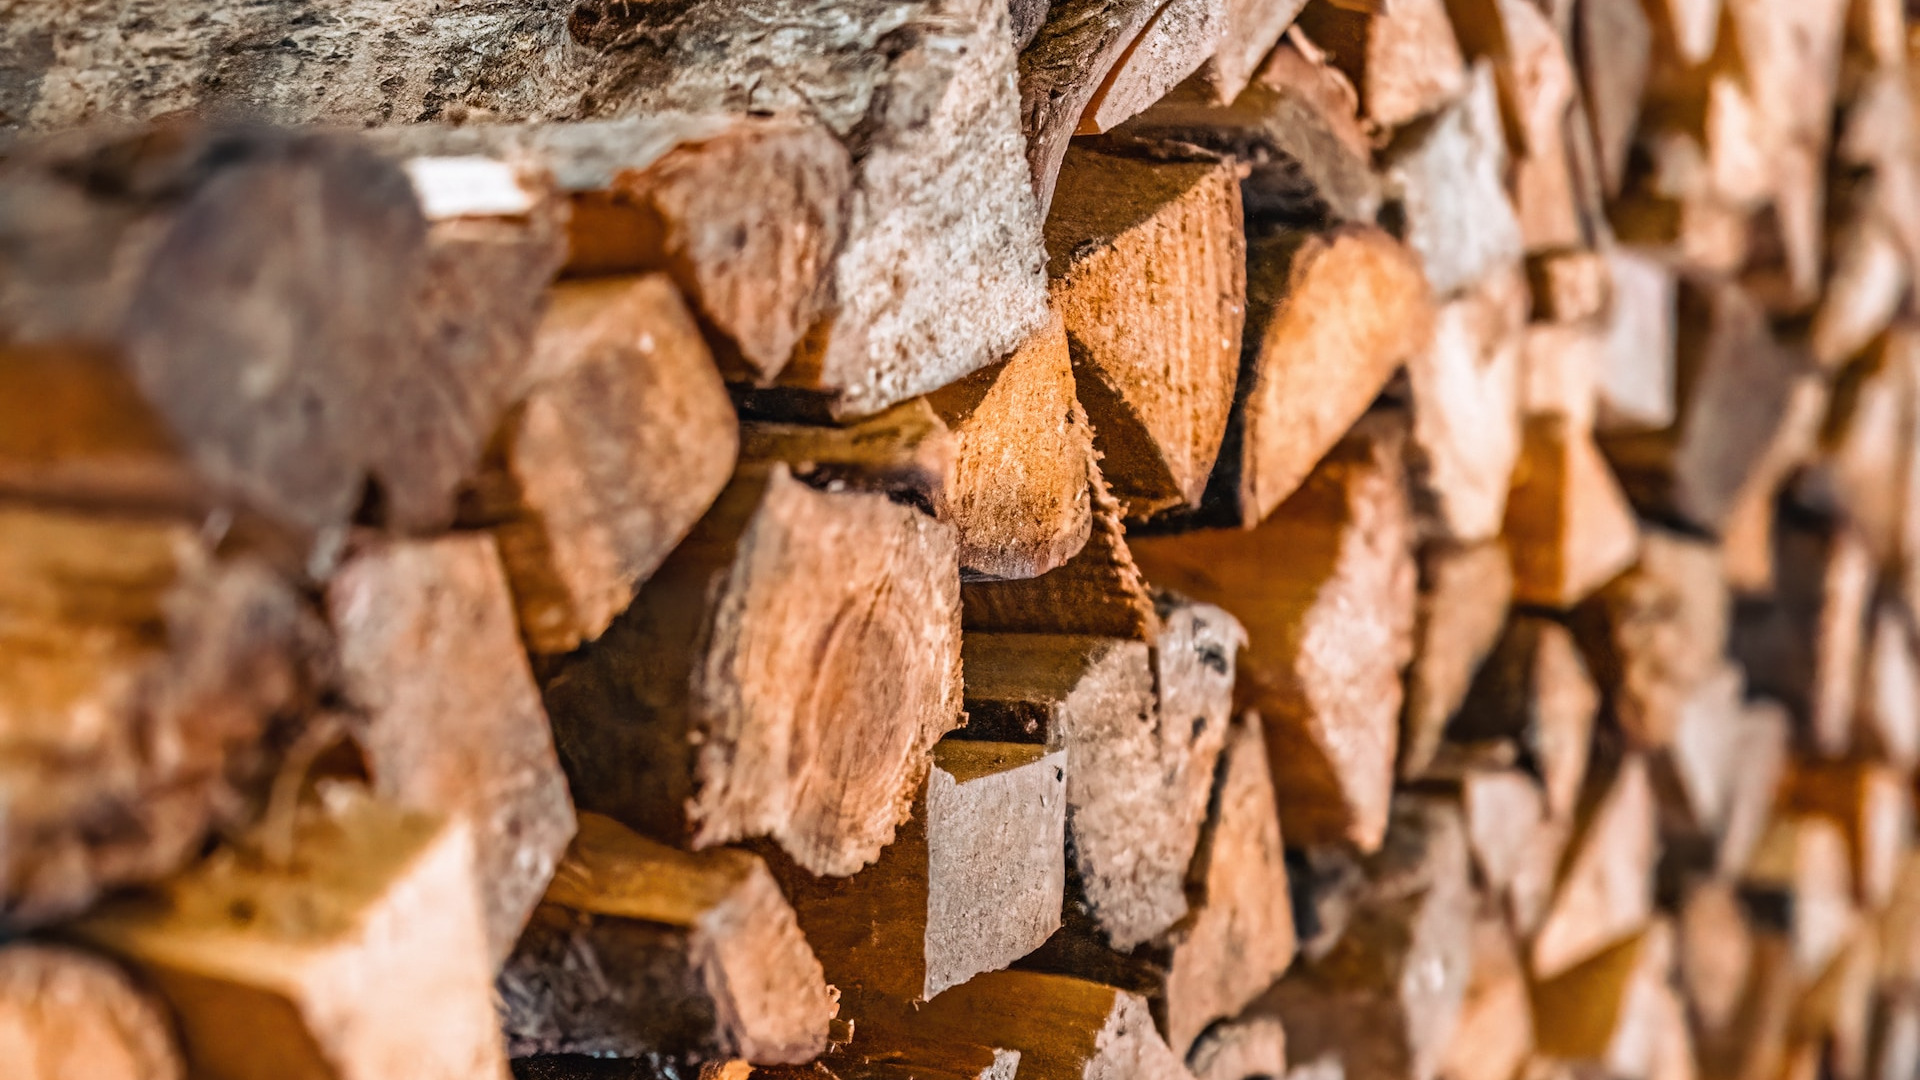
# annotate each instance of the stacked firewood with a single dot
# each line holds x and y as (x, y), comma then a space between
(884, 539)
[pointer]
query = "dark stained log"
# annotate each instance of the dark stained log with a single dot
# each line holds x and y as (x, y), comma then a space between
(972, 882)
(1404, 59)
(639, 949)
(1464, 595)
(1362, 1002)
(1294, 128)
(1148, 268)
(142, 678)
(1326, 590)
(187, 375)
(64, 1013)
(624, 440)
(344, 940)
(1020, 496)
(1099, 591)
(773, 679)
(447, 714)
(746, 214)
(1330, 317)
(1450, 176)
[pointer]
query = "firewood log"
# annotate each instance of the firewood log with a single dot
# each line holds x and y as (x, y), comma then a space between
(1635, 386)
(142, 678)
(1560, 364)
(1801, 884)
(1695, 772)
(1465, 385)
(1570, 286)
(1296, 131)
(1172, 45)
(1404, 59)
(774, 678)
(1804, 646)
(1605, 892)
(184, 376)
(1237, 937)
(1330, 317)
(1062, 68)
(1873, 807)
(1450, 176)
(1896, 1038)
(1656, 632)
(1137, 781)
(1099, 591)
(638, 949)
(1464, 595)
(1495, 1032)
(1865, 449)
(1534, 689)
(64, 1013)
(1568, 525)
(1023, 462)
(1755, 1042)
(1063, 1028)
(1899, 930)
(1716, 952)
(1537, 87)
(450, 718)
(1245, 1048)
(1516, 844)
(1748, 541)
(745, 213)
(625, 439)
(1362, 1003)
(1887, 714)
(345, 941)
(1615, 51)
(1254, 27)
(1764, 746)
(1869, 280)
(906, 453)
(1607, 1010)
(972, 883)
(1347, 576)
(1836, 1012)
(1148, 267)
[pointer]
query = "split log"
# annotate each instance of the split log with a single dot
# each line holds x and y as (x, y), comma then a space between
(1148, 267)
(1615, 43)
(745, 213)
(1172, 45)
(640, 949)
(1607, 1010)
(355, 950)
(1636, 384)
(1099, 591)
(188, 377)
(1064, 1028)
(1865, 447)
(1245, 1048)
(1873, 807)
(1362, 1003)
(1804, 647)
(1517, 845)
(1495, 1032)
(1896, 1039)
(1019, 497)
(1755, 1042)
(772, 679)
(1560, 363)
(906, 453)
(1329, 626)
(449, 718)
(1716, 953)
(1736, 386)
(1450, 176)
(973, 882)
(1137, 781)
(1764, 743)
(1464, 595)
(1748, 541)
(1568, 522)
(1836, 1012)
(1867, 283)
(1656, 632)
(621, 445)
(1295, 130)
(1887, 716)
(1069, 57)
(141, 678)
(1899, 931)
(1572, 286)
(1331, 317)
(1534, 689)
(1238, 936)
(1404, 59)
(1254, 28)
(1694, 772)
(1465, 385)
(64, 1014)
(1605, 892)
(1800, 882)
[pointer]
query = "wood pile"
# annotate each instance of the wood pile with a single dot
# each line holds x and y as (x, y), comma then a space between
(959, 540)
